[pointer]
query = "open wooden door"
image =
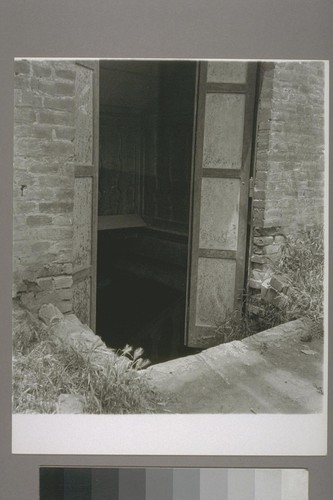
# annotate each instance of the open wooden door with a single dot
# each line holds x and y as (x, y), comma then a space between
(222, 159)
(85, 191)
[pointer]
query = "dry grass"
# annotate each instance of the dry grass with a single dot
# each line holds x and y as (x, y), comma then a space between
(302, 264)
(48, 368)
(302, 261)
(236, 326)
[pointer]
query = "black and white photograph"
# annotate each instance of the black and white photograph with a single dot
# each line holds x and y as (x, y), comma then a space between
(165, 204)
(169, 233)
(168, 236)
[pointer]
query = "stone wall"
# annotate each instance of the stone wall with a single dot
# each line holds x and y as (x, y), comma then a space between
(43, 183)
(289, 165)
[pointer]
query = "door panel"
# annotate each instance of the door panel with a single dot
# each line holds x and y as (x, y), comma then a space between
(85, 191)
(84, 81)
(82, 299)
(219, 213)
(223, 130)
(223, 140)
(215, 276)
(82, 221)
(226, 72)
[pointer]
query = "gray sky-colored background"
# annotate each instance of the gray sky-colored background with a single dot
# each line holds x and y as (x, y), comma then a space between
(258, 29)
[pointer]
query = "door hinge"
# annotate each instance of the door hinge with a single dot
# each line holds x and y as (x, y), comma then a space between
(251, 187)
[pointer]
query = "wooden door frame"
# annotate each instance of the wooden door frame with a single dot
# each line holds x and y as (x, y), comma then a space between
(198, 173)
(87, 170)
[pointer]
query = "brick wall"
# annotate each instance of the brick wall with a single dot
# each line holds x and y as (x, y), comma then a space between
(43, 183)
(289, 172)
(289, 166)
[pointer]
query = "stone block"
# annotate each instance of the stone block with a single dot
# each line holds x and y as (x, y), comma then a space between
(267, 293)
(49, 314)
(43, 167)
(54, 117)
(28, 301)
(33, 130)
(45, 283)
(27, 98)
(260, 185)
(259, 204)
(270, 230)
(41, 69)
(272, 249)
(65, 74)
(70, 403)
(59, 149)
(62, 220)
(272, 296)
(279, 283)
(279, 239)
(30, 147)
(259, 259)
(263, 241)
(18, 287)
(22, 67)
(255, 284)
(65, 88)
(261, 177)
(258, 216)
(55, 207)
(65, 294)
(40, 246)
(65, 306)
(38, 220)
(63, 282)
(259, 195)
(24, 115)
(46, 87)
(45, 297)
(257, 250)
(258, 275)
(21, 82)
(55, 181)
(256, 231)
(65, 133)
(59, 103)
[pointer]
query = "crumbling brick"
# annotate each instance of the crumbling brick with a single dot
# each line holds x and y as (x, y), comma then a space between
(289, 168)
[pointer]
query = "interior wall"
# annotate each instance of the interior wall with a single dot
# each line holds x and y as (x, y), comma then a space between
(146, 126)
(128, 91)
(169, 149)
(146, 129)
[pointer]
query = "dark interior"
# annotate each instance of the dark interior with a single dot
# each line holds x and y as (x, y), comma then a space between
(146, 128)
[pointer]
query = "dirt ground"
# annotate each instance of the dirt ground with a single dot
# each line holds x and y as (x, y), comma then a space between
(275, 371)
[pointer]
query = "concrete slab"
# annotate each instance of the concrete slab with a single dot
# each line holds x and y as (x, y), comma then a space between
(270, 372)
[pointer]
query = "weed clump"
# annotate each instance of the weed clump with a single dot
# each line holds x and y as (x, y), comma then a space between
(50, 368)
(301, 264)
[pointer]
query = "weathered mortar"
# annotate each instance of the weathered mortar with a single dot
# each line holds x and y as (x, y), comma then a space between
(289, 165)
(43, 183)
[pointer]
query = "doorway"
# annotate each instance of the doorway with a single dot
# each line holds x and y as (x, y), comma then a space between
(145, 172)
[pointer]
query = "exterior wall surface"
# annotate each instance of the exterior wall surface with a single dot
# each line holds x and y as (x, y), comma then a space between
(289, 172)
(43, 183)
(289, 165)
